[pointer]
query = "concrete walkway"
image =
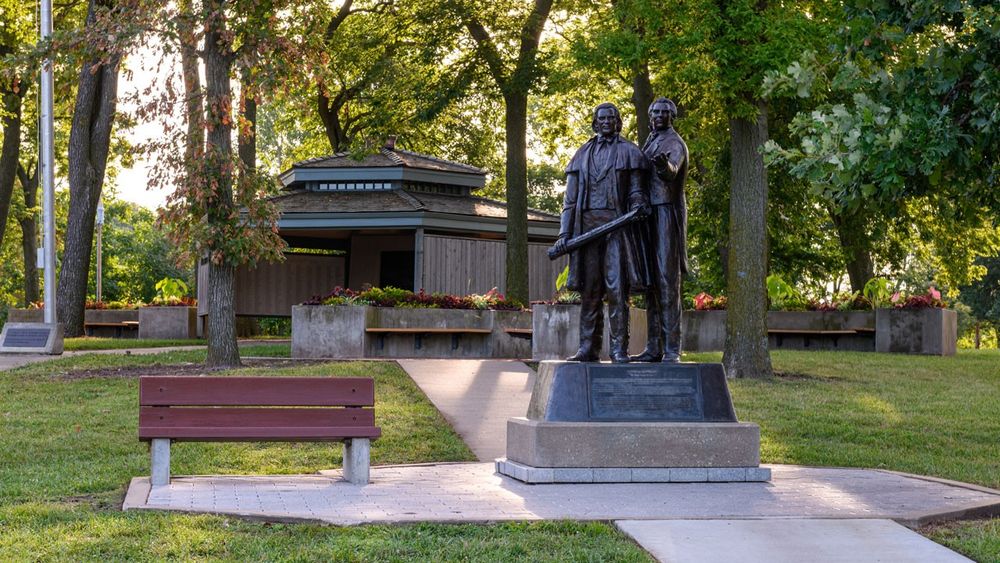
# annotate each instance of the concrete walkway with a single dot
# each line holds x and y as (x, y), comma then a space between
(785, 541)
(476, 397)
(472, 492)
(814, 514)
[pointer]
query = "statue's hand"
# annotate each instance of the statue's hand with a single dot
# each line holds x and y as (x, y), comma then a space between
(560, 246)
(662, 160)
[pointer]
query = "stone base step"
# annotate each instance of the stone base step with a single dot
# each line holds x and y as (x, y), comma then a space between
(538, 475)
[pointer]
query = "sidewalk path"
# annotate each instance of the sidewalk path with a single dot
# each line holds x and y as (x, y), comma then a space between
(472, 492)
(476, 397)
(785, 541)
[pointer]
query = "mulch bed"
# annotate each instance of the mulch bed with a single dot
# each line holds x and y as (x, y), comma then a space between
(127, 372)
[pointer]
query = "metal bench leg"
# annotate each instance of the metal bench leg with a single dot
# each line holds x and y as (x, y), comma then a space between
(159, 453)
(356, 460)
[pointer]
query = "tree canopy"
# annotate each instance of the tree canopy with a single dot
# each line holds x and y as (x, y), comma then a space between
(881, 121)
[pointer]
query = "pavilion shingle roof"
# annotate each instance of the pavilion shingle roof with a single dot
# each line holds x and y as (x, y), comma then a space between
(304, 201)
(389, 158)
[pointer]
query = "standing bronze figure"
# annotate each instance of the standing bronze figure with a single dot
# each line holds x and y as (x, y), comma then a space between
(667, 226)
(604, 182)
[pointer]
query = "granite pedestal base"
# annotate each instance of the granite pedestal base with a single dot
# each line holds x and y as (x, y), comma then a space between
(603, 423)
(568, 475)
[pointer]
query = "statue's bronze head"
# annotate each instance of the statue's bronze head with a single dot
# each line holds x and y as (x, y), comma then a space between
(662, 113)
(610, 112)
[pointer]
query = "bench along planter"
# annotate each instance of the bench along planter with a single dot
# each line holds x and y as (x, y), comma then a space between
(168, 322)
(556, 331)
(821, 330)
(916, 331)
(907, 331)
(229, 409)
(107, 323)
(705, 331)
(359, 331)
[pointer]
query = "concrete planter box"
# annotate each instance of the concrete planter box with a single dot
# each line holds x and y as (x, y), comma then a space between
(349, 331)
(705, 331)
(556, 332)
(836, 324)
(25, 315)
(89, 316)
(916, 331)
(168, 322)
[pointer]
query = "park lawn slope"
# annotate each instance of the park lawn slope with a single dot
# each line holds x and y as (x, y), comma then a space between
(63, 474)
(935, 416)
(87, 428)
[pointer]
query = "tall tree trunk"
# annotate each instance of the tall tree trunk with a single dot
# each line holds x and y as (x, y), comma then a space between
(642, 98)
(515, 85)
(29, 232)
(89, 141)
(329, 114)
(11, 150)
(194, 109)
(247, 142)
(746, 353)
(328, 108)
(516, 113)
(222, 347)
(855, 245)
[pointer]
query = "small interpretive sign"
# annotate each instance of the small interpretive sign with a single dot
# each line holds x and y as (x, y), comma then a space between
(644, 393)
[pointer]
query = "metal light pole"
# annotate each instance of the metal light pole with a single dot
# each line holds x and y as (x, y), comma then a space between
(46, 161)
(100, 231)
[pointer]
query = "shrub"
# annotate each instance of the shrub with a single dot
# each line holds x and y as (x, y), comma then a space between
(112, 305)
(878, 291)
(172, 292)
(705, 302)
(930, 300)
(404, 298)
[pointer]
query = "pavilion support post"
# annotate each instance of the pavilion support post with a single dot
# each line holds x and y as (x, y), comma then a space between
(418, 259)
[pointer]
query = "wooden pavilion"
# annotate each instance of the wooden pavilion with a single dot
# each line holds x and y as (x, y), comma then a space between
(395, 218)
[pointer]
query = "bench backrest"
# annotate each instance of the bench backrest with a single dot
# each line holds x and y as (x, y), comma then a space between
(243, 408)
(260, 391)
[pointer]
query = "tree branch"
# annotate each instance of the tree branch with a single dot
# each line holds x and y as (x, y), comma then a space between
(486, 48)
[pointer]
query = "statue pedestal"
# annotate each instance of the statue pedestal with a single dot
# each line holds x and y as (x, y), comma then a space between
(622, 423)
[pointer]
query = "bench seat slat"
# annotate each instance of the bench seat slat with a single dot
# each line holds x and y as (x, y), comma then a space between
(244, 391)
(257, 434)
(255, 417)
(411, 330)
(809, 332)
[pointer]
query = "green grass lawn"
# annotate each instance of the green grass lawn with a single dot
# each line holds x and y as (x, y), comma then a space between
(926, 415)
(95, 343)
(89, 343)
(68, 448)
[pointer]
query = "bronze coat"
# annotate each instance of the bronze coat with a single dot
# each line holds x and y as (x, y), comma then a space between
(630, 166)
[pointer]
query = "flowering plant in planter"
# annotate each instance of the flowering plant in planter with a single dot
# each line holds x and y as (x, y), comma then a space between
(844, 301)
(403, 298)
(171, 292)
(112, 305)
(705, 302)
(930, 300)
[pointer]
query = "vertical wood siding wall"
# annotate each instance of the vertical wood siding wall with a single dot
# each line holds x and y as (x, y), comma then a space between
(272, 289)
(461, 266)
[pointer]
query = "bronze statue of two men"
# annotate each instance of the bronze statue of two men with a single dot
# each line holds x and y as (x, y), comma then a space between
(632, 203)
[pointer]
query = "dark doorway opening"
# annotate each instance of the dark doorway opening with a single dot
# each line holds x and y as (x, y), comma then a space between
(396, 269)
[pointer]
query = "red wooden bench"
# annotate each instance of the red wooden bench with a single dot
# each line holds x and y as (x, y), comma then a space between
(251, 409)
